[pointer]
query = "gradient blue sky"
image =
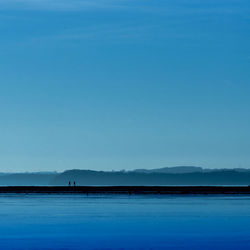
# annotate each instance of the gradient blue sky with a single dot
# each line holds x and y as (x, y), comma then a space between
(122, 84)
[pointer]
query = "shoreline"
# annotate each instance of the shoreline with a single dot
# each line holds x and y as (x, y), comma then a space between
(182, 190)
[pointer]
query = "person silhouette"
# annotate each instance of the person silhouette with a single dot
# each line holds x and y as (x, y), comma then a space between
(74, 183)
(69, 183)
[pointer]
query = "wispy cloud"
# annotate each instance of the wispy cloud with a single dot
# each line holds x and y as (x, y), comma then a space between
(181, 6)
(116, 34)
(101, 33)
(155, 21)
(61, 5)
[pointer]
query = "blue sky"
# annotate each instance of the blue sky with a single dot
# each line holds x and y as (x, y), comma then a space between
(124, 84)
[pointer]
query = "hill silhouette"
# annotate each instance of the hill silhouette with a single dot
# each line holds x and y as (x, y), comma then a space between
(133, 178)
(180, 175)
(171, 170)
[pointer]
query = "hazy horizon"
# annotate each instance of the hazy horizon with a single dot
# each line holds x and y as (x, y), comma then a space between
(111, 85)
(51, 171)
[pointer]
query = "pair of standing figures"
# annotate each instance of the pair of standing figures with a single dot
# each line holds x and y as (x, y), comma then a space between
(74, 183)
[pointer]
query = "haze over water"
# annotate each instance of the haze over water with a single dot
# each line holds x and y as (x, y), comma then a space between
(124, 222)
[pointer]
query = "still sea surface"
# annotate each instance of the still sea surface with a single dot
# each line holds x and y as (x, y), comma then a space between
(124, 222)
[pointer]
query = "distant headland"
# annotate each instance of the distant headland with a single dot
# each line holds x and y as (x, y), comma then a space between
(168, 176)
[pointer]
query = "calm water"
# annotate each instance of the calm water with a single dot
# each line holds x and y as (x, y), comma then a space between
(124, 222)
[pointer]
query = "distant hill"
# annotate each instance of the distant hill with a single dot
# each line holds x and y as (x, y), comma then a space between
(181, 175)
(171, 170)
(217, 177)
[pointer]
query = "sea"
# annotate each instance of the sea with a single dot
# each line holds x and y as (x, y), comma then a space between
(80, 221)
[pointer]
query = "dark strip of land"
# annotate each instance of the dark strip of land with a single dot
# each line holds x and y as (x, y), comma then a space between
(127, 189)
